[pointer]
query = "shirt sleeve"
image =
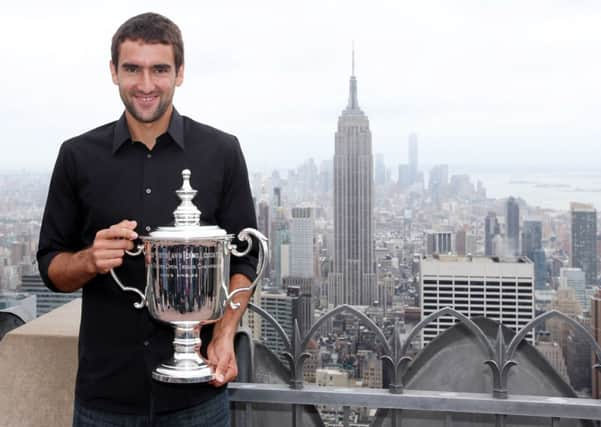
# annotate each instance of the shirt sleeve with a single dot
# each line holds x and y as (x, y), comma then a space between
(61, 221)
(237, 211)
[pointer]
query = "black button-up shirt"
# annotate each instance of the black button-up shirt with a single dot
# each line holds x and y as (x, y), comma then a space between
(103, 177)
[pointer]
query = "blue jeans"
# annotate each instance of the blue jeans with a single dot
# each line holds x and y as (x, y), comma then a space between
(212, 413)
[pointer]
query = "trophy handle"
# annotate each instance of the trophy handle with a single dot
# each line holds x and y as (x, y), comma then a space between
(124, 288)
(245, 236)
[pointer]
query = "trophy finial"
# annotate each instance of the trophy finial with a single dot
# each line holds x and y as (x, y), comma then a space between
(187, 213)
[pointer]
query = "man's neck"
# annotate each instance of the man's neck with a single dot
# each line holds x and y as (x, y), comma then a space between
(147, 133)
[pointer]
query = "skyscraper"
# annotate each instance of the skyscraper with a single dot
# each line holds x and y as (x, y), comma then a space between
(438, 242)
(301, 289)
(552, 352)
(404, 178)
(283, 308)
(380, 170)
(279, 237)
(574, 278)
(353, 280)
(491, 229)
(412, 157)
(439, 182)
(596, 330)
(302, 224)
(512, 223)
(532, 237)
(532, 247)
(461, 238)
(302, 262)
(277, 196)
(566, 302)
(325, 176)
(578, 357)
(263, 223)
(499, 247)
(584, 240)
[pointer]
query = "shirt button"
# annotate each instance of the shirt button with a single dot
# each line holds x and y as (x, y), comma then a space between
(148, 228)
(148, 156)
(146, 343)
(148, 191)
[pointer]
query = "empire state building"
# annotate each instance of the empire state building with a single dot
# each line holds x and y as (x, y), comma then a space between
(354, 279)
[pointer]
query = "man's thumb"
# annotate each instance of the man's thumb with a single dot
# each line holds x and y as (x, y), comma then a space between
(219, 370)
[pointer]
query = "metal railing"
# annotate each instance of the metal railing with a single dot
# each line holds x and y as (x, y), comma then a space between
(394, 401)
(447, 405)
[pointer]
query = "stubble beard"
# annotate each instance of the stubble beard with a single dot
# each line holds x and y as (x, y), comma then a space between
(156, 115)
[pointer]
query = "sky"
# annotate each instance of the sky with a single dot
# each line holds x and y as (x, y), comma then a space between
(487, 85)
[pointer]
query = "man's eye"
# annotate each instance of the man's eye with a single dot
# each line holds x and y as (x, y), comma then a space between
(131, 69)
(161, 70)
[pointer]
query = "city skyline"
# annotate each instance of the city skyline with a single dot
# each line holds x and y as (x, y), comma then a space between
(473, 100)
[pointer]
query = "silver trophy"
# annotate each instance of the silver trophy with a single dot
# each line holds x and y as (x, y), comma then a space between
(187, 277)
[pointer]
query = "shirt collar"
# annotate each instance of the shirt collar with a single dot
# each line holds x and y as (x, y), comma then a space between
(175, 131)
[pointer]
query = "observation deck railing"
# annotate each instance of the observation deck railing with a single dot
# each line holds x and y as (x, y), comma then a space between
(38, 364)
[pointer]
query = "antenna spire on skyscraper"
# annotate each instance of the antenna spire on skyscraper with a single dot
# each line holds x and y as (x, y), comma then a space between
(353, 73)
(353, 103)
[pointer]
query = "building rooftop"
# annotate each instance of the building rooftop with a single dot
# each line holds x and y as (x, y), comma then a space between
(478, 259)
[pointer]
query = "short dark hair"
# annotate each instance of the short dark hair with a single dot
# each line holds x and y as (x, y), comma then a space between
(149, 28)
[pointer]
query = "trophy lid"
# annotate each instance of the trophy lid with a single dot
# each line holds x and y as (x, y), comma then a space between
(187, 218)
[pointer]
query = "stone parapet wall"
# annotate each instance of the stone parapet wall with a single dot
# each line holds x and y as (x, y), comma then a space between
(38, 363)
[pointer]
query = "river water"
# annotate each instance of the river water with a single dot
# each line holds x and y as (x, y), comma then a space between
(547, 190)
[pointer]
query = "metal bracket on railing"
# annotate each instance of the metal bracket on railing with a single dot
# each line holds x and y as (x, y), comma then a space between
(397, 361)
(503, 360)
(296, 359)
(500, 366)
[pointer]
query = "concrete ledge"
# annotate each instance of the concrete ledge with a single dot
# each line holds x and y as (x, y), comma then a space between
(38, 364)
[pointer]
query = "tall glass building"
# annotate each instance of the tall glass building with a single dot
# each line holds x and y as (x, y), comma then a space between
(584, 240)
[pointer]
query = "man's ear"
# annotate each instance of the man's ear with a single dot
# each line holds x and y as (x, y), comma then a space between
(179, 77)
(113, 72)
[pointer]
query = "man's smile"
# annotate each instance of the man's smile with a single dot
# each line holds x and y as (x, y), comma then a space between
(145, 100)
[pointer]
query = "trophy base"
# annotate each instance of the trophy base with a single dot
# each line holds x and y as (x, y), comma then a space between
(183, 372)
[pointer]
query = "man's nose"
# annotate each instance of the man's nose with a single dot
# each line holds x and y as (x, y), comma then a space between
(146, 84)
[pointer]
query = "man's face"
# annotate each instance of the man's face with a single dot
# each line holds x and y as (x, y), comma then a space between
(147, 78)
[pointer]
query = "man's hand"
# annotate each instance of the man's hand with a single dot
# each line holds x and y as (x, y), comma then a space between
(221, 357)
(69, 271)
(220, 352)
(110, 245)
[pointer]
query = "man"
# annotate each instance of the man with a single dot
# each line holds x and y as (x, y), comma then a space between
(117, 182)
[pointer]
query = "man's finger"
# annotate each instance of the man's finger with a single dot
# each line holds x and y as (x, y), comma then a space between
(124, 229)
(126, 223)
(108, 254)
(221, 369)
(119, 231)
(116, 233)
(230, 374)
(112, 244)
